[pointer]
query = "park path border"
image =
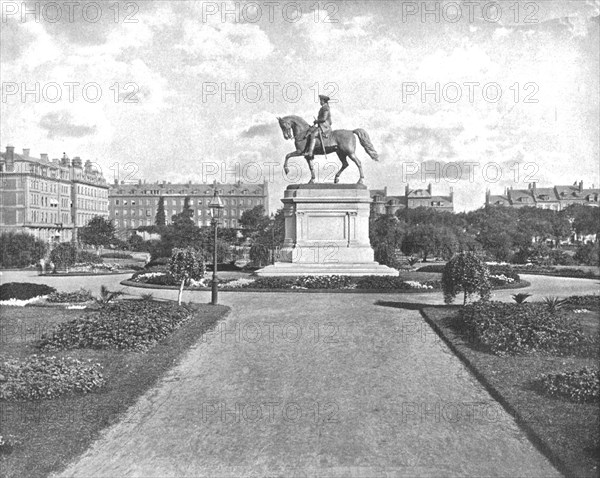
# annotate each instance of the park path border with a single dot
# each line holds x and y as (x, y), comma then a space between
(533, 437)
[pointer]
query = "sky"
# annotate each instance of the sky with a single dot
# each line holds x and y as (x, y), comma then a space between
(463, 95)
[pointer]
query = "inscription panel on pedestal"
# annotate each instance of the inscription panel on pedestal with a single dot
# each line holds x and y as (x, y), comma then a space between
(326, 227)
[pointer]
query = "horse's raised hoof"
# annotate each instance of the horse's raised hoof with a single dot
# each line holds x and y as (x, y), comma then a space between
(336, 180)
(286, 170)
(312, 181)
(360, 181)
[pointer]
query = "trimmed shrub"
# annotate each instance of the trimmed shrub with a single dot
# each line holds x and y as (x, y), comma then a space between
(24, 290)
(20, 250)
(81, 295)
(159, 261)
(272, 283)
(131, 325)
(506, 328)
(465, 273)
(578, 386)
(42, 377)
(380, 282)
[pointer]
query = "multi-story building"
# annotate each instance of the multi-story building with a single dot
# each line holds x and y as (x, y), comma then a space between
(413, 198)
(135, 205)
(556, 198)
(49, 199)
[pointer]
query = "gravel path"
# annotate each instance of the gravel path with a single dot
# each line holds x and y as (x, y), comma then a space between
(316, 385)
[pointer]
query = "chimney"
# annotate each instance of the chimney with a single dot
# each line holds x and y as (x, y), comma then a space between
(43, 156)
(406, 190)
(116, 181)
(580, 186)
(64, 160)
(76, 162)
(487, 195)
(10, 158)
(429, 189)
(534, 188)
(88, 165)
(452, 193)
(26, 152)
(139, 181)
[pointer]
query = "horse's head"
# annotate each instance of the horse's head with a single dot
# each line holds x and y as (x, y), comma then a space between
(286, 127)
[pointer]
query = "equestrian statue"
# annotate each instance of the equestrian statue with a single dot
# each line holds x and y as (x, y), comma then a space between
(320, 139)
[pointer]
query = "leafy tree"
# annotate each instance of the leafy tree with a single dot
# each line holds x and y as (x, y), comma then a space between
(186, 264)
(386, 233)
(254, 221)
(588, 254)
(269, 235)
(585, 219)
(495, 228)
(20, 249)
(98, 232)
(465, 272)
(64, 255)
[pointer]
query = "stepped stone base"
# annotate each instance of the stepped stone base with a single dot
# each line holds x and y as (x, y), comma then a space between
(326, 232)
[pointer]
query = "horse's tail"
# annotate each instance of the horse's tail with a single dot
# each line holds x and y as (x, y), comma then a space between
(365, 142)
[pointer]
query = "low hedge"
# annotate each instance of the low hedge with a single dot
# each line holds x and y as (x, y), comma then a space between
(24, 290)
(514, 329)
(117, 255)
(578, 386)
(129, 324)
(43, 377)
(81, 295)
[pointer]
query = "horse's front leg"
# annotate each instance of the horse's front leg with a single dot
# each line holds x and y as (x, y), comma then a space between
(287, 157)
(312, 171)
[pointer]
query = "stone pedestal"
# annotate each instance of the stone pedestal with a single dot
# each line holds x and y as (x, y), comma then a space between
(326, 232)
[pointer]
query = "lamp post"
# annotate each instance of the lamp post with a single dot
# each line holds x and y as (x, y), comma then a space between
(215, 205)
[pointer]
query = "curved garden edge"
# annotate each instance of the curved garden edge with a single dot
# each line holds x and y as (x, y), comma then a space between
(497, 395)
(130, 283)
(91, 274)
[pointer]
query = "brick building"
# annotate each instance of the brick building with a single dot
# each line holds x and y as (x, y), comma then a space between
(135, 205)
(556, 198)
(49, 199)
(413, 198)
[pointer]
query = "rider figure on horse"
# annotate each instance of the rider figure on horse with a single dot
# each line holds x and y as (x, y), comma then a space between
(322, 122)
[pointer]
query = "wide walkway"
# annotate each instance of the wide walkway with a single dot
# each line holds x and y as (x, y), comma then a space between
(302, 385)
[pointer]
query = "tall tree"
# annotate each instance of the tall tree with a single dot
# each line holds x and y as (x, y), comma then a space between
(161, 218)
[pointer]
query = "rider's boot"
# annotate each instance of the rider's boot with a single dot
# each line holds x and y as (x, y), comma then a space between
(311, 148)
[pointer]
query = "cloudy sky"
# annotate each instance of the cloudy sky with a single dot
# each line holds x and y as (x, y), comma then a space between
(191, 90)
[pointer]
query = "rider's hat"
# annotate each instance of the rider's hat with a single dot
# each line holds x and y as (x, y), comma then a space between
(324, 98)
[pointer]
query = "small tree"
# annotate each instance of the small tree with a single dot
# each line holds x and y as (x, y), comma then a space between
(64, 255)
(186, 264)
(466, 273)
(98, 232)
(161, 218)
(20, 249)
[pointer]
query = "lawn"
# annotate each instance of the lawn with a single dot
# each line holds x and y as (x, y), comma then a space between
(567, 432)
(54, 432)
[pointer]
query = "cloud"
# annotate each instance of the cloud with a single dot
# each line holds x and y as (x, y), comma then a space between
(60, 124)
(259, 130)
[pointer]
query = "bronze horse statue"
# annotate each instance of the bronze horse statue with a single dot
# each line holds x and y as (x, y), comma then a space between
(341, 141)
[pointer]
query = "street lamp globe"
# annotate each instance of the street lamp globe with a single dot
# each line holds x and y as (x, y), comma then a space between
(216, 206)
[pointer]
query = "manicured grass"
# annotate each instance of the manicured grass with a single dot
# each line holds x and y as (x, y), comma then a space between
(54, 432)
(566, 432)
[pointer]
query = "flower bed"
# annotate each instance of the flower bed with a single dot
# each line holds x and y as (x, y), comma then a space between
(79, 296)
(132, 325)
(316, 282)
(515, 329)
(42, 377)
(578, 386)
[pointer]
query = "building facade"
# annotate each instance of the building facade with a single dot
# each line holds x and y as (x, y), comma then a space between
(49, 199)
(413, 198)
(556, 198)
(135, 205)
